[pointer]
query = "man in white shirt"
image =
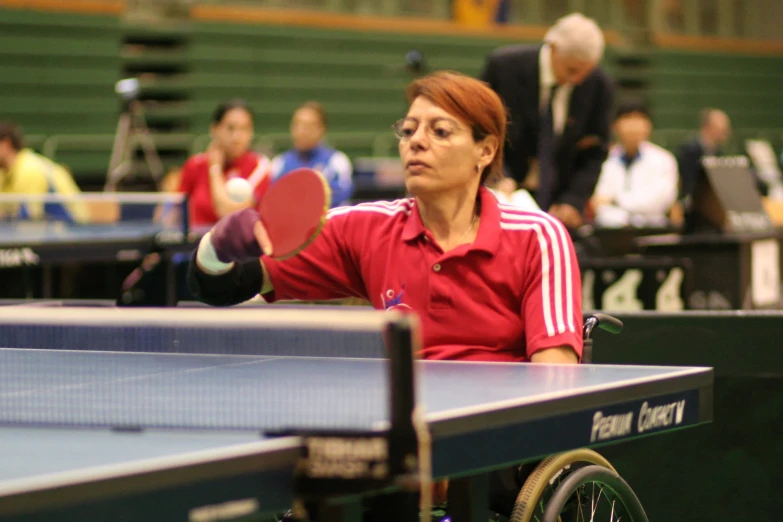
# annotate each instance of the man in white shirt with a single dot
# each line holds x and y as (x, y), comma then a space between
(639, 180)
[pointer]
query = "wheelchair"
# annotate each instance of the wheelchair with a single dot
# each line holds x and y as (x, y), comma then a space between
(578, 485)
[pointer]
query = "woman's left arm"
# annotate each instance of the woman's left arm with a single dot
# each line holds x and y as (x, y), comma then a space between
(558, 355)
(552, 299)
(221, 201)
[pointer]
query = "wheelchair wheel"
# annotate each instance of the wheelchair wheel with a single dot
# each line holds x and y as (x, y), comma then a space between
(542, 483)
(594, 493)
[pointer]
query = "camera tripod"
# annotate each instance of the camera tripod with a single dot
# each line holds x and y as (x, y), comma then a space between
(132, 132)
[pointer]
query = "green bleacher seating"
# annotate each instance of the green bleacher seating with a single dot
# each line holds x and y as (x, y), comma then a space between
(358, 76)
(57, 76)
(58, 70)
(746, 87)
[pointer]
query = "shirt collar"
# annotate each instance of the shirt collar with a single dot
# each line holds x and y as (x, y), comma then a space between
(628, 161)
(488, 236)
(413, 226)
(546, 75)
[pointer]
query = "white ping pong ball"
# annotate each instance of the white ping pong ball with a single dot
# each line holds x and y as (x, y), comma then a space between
(239, 190)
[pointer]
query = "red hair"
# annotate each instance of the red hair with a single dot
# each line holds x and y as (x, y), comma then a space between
(472, 101)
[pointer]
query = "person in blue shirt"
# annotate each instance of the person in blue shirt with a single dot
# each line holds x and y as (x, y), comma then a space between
(308, 128)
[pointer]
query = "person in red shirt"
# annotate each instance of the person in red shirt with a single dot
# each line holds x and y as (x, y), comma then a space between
(204, 175)
(490, 282)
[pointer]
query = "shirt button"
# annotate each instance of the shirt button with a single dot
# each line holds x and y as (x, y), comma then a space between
(426, 239)
(436, 267)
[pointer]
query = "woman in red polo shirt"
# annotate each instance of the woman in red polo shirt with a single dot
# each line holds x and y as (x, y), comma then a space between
(452, 253)
(489, 282)
(204, 175)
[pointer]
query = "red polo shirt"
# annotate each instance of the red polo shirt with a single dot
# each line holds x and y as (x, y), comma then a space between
(194, 182)
(514, 291)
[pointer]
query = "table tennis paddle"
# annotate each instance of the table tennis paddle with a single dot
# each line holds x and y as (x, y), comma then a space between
(293, 211)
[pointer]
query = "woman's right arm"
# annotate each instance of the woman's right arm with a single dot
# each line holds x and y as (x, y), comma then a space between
(243, 281)
(228, 268)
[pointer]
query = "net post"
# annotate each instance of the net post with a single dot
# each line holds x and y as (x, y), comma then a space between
(402, 343)
(381, 464)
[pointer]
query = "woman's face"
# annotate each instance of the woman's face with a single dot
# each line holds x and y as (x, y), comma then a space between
(438, 151)
(234, 132)
(307, 129)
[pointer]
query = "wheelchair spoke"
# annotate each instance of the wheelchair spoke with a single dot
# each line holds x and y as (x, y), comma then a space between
(595, 502)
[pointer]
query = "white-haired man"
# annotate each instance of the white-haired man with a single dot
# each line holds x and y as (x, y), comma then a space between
(560, 104)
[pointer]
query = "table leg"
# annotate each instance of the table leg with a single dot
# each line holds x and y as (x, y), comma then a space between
(469, 499)
(28, 279)
(170, 278)
(394, 507)
(332, 511)
(46, 281)
(347, 512)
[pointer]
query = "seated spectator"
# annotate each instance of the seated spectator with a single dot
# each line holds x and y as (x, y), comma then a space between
(714, 132)
(308, 129)
(23, 171)
(204, 176)
(638, 181)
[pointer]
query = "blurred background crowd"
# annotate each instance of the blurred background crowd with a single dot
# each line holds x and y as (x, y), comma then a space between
(147, 95)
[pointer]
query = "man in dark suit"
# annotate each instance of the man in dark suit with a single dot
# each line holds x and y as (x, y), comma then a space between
(559, 102)
(714, 131)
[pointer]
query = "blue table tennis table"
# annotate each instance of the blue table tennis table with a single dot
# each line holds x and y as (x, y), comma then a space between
(25, 244)
(57, 241)
(117, 414)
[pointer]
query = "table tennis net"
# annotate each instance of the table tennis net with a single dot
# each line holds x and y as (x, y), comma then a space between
(267, 370)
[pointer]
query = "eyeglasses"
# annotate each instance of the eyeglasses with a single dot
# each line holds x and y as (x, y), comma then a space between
(438, 130)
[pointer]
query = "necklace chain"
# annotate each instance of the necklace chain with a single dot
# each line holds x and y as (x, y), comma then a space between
(468, 230)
